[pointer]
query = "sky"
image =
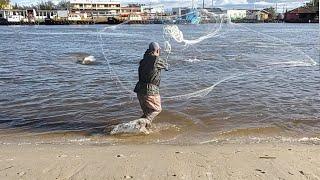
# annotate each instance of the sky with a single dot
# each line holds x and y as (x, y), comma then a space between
(224, 4)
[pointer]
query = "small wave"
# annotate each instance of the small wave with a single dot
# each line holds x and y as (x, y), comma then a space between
(192, 60)
(293, 63)
(80, 140)
(278, 139)
(82, 58)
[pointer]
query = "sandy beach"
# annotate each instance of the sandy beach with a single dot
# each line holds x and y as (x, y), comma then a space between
(230, 161)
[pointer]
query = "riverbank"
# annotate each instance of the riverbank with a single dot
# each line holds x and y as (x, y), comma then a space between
(229, 161)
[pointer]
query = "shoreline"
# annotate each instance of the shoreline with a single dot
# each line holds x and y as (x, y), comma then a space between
(228, 161)
(135, 23)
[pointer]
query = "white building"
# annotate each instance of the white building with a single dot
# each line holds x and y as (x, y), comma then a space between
(154, 9)
(236, 14)
(97, 7)
(135, 17)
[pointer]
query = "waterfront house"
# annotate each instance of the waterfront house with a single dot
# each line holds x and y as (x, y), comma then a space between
(212, 14)
(180, 12)
(154, 12)
(132, 9)
(258, 15)
(302, 14)
(98, 8)
(237, 14)
(159, 9)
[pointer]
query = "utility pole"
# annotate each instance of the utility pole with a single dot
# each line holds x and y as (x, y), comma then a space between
(212, 6)
(202, 4)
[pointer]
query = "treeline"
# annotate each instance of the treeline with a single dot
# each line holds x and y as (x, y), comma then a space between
(45, 5)
(4, 3)
(313, 3)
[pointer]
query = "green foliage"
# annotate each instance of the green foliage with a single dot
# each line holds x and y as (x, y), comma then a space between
(46, 5)
(313, 3)
(64, 4)
(4, 3)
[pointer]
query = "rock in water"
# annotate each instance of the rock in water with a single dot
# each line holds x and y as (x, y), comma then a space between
(89, 60)
(137, 126)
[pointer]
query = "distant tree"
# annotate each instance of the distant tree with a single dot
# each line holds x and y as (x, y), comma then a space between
(313, 3)
(64, 4)
(272, 12)
(15, 6)
(46, 5)
(4, 3)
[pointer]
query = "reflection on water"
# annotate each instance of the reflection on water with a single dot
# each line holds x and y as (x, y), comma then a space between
(46, 93)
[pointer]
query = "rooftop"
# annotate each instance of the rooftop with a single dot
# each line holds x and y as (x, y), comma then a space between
(93, 2)
(304, 10)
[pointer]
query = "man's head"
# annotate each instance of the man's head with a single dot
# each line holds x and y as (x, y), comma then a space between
(155, 48)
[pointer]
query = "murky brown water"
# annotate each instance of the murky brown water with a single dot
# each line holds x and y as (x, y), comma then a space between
(252, 81)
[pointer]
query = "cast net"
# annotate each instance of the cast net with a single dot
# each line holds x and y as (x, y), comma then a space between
(202, 52)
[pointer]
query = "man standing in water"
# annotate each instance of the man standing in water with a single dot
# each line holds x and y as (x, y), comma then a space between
(147, 88)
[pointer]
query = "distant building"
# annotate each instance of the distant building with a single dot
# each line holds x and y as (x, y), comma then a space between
(280, 16)
(132, 9)
(211, 15)
(154, 9)
(132, 12)
(236, 14)
(303, 14)
(258, 15)
(184, 13)
(214, 10)
(30, 15)
(180, 12)
(96, 7)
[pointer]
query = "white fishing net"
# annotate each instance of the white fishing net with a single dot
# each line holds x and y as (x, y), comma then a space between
(202, 55)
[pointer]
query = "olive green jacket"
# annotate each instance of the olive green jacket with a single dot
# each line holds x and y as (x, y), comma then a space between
(149, 74)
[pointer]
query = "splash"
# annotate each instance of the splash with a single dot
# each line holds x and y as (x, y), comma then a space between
(133, 127)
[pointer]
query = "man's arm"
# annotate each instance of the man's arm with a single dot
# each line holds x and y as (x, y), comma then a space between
(162, 64)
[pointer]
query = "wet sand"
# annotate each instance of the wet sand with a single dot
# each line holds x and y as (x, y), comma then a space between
(229, 161)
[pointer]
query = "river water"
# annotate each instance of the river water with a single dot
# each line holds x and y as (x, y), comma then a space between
(249, 82)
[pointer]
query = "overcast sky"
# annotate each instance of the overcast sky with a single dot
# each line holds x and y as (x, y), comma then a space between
(224, 4)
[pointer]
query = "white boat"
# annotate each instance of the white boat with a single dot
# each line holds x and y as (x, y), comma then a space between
(15, 18)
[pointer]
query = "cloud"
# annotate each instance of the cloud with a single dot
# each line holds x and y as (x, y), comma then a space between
(225, 2)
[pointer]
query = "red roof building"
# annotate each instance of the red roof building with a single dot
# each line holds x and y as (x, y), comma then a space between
(303, 14)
